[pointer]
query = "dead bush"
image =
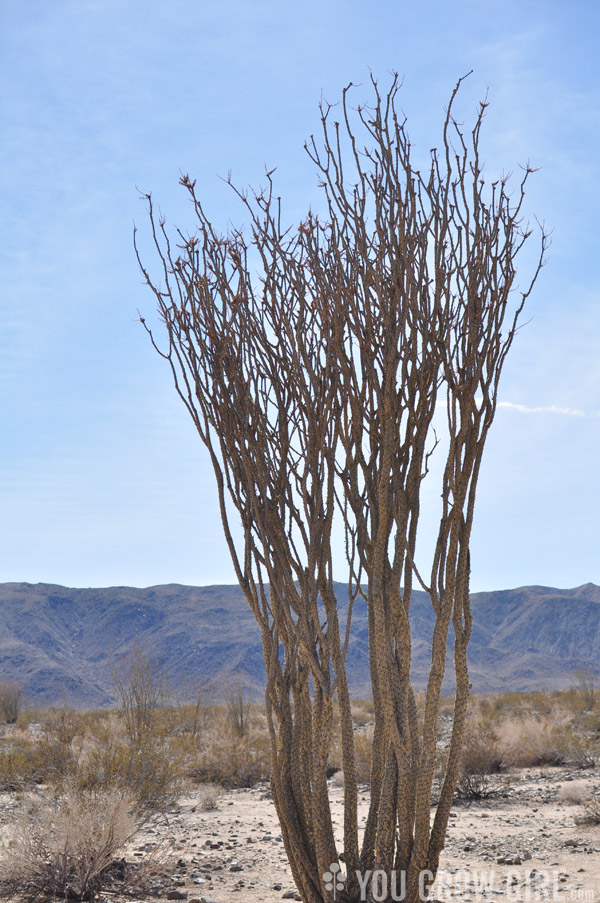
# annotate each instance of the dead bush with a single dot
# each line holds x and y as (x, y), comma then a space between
(20, 764)
(575, 793)
(591, 813)
(481, 757)
(193, 701)
(151, 771)
(207, 796)
(362, 712)
(239, 704)
(11, 700)
(587, 684)
(141, 685)
(232, 761)
(534, 740)
(64, 848)
(56, 753)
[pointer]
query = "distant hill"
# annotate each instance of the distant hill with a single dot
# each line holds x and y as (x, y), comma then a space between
(59, 641)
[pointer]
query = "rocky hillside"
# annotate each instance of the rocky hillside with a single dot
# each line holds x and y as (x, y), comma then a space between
(60, 641)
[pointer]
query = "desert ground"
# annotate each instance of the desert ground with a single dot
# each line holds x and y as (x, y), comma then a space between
(522, 840)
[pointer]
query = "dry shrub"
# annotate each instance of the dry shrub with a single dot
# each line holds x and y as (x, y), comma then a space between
(575, 793)
(587, 684)
(238, 700)
(571, 701)
(57, 752)
(481, 757)
(534, 740)
(12, 699)
(225, 758)
(490, 707)
(193, 704)
(337, 779)
(64, 847)
(20, 764)
(49, 758)
(362, 712)
(207, 796)
(446, 706)
(151, 770)
(591, 813)
(141, 685)
(517, 702)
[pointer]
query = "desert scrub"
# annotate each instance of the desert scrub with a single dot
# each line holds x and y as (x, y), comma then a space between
(207, 797)
(141, 685)
(12, 700)
(575, 793)
(362, 712)
(58, 749)
(591, 813)
(63, 847)
(20, 762)
(481, 757)
(150, 770)
(238, 701)
(225, 758)
(26, 759)
(536, 739)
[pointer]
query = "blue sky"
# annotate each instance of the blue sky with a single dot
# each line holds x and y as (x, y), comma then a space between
(102, 478)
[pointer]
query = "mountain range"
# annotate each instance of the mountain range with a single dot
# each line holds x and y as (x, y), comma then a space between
(60, 642)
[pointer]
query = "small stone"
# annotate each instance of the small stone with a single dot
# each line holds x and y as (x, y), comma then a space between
(176, 895)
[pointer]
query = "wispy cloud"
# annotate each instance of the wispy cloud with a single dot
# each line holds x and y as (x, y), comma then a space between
(544, 409)
(528, 409)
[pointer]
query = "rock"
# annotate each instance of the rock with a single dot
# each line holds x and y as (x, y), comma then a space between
(176, 895)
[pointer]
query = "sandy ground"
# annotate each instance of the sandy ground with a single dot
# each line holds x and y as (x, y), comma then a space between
(522, 843)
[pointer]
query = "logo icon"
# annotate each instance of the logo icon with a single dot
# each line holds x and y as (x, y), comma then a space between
(333, 878)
